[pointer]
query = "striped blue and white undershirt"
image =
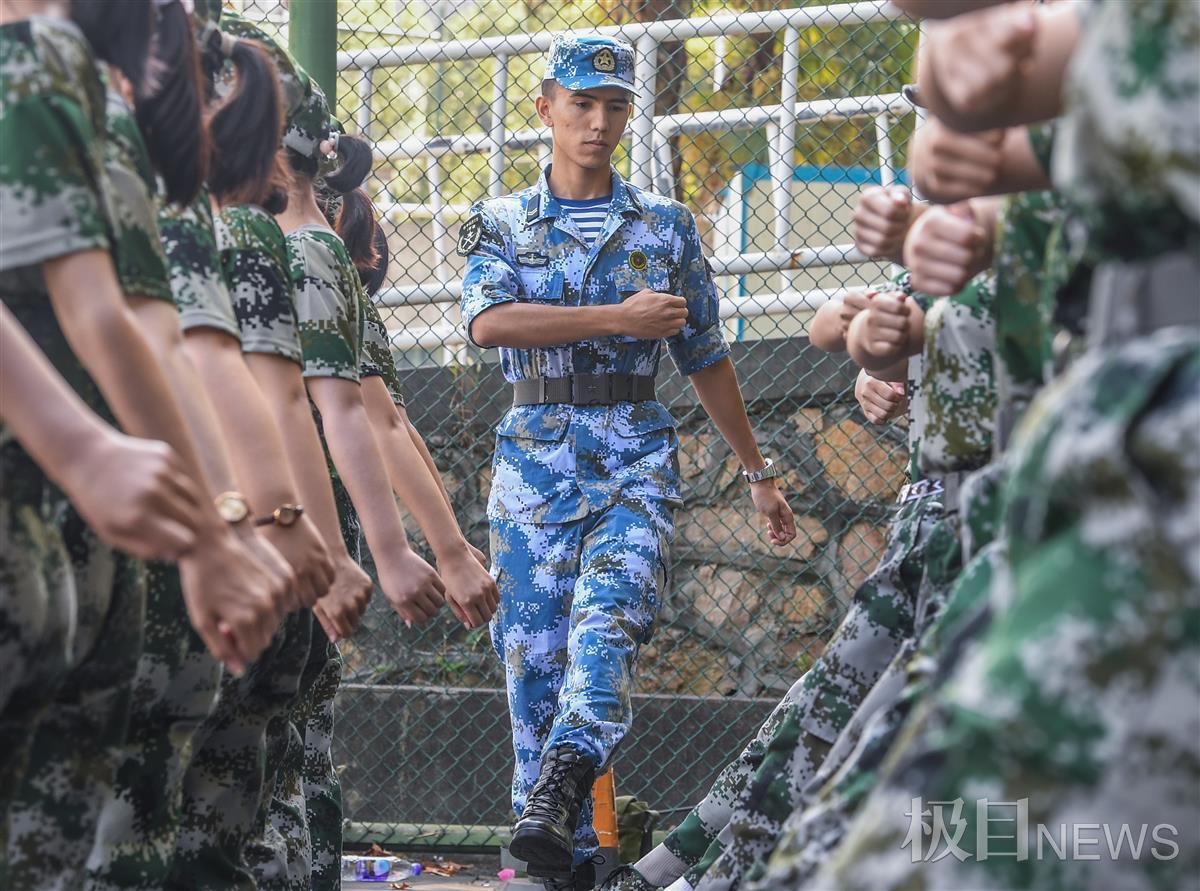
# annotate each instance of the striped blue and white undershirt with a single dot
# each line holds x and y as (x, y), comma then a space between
(589, 215)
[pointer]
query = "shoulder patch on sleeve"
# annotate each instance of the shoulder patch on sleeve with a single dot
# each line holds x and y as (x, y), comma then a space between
(470, 234)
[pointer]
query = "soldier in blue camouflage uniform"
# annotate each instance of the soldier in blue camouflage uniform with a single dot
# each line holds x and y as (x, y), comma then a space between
(585, 479)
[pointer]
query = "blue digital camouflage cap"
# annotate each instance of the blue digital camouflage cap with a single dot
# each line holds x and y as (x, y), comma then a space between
(588, 61)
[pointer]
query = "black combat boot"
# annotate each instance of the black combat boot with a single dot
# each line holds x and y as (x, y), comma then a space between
(544, 837)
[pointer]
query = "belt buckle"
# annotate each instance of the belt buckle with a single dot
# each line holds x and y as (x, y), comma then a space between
(589, 389)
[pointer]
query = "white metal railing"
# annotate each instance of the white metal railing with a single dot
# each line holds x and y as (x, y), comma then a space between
(649, 137)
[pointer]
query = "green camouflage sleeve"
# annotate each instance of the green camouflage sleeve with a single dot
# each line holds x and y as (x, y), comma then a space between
(137, 251)
(50, 181)
(1041, 141)
(955, 403)
(377, 359)
(326, 305)
(194, 266)
(255, 263)
(1125, 154)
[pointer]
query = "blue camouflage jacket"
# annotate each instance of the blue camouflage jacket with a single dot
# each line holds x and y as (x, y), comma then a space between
(523, 247)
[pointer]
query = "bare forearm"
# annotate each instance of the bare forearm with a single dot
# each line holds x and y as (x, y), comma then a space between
(717, 387)
(530, 325)
(45, 414)
(359, 461)
(1038, 95)
(412, 482)
(160, 322)
(825, 332)
(104, 334)
(283, 390)
(897, 372)
(255, 446)
(1020, 170)
(426, 455)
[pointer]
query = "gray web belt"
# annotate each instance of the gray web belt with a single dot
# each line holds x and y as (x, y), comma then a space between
(584, 389)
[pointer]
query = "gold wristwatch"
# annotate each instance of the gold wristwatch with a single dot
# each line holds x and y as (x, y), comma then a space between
(285, 515)
(232, 507)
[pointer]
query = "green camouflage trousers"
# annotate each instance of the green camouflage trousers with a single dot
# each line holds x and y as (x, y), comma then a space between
(270, 855)
(318, 777)
(76, 743)
(173, 692)
(793, 741)
(828, 804)
(1075, 710)
(300, 846)
(754, 828)
(37, 605)
(226, 784)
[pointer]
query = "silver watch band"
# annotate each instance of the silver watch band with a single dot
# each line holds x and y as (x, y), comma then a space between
(771, 471)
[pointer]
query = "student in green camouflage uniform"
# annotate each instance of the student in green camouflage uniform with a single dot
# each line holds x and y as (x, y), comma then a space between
(71, 772)
(755, 791)
(227, 782)
(951, 404)
(1100, 528)
(177, 681)
(38, 587)
(1024, 313)
(330, 308)
(51, 123)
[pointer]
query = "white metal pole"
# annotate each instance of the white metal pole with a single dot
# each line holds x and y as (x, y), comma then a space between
(885, 150)
(497, 133)
(784, 143)
(433, 173)
(642, 129)
(366, 88)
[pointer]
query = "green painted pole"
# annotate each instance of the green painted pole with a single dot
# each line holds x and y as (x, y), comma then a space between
(312, 39)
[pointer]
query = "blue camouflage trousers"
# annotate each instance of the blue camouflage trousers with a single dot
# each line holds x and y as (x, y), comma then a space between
(577, 600)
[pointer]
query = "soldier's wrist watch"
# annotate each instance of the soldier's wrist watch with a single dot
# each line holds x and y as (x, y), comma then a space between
(232, 507)
(285, 515)
(771, 471)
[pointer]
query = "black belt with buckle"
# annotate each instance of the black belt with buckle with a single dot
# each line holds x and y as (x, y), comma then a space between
(584, 389)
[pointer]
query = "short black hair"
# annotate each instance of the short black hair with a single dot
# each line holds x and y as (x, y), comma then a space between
(549, 86)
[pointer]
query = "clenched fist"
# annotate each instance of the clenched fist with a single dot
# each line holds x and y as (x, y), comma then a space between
(853, 302)
(972, 67)
(652, 315)
(949, 166)
(883, 326)
(881, 401)
(881, 218)
(945, 249)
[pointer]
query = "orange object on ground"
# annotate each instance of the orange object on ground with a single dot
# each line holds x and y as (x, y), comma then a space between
(604, 809)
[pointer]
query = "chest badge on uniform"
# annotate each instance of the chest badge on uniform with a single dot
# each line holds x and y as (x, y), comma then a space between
(604, 61)
(532, 258)
(638, 261)
(470, 235)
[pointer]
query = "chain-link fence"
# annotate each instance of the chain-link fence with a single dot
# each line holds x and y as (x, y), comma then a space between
(766, 121)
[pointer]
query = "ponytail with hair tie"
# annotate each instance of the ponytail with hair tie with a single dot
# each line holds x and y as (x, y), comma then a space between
(245, 129)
